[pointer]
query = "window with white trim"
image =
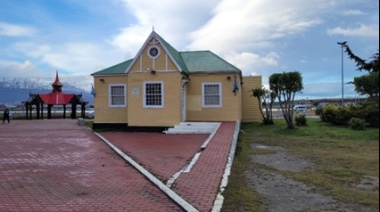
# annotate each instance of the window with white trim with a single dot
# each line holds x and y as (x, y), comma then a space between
(211, 94)
(154, 94)
(117, 95)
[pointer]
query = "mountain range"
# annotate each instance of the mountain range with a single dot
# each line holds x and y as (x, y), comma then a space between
(16, 91)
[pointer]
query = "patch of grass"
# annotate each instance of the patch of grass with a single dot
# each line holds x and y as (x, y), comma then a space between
(240, 196)
(89, 124)
(341, 157)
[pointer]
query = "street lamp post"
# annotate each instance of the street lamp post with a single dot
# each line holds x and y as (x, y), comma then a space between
(342, 44)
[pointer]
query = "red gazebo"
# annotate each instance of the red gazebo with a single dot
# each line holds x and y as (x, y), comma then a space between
(56, 97)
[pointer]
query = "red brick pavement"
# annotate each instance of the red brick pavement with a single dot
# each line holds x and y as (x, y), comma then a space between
(201, 185)
(55, 165)
(162, 155)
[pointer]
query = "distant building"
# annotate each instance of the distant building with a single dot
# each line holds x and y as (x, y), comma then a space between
(161, 87)
(56, 97)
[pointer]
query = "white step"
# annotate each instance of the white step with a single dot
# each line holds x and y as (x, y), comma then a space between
(193, 128)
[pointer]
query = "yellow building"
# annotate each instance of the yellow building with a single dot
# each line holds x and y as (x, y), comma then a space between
(162, 87)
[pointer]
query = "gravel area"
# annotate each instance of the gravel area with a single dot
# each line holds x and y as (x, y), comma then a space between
(286, 195)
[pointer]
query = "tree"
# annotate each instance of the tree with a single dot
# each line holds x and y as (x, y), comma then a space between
(372, 66)
(266, 98)
(368, 84)
(285, 86)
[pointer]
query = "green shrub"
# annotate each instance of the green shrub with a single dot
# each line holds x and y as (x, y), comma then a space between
(318, 111)
(301, 120)
(329, 113)
(369, 111)
(337, 115)
(343, 116)
(357, 124)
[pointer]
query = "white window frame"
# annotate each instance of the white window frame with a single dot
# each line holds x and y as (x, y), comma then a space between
(204, 84)
(110, 95)
(162, 94)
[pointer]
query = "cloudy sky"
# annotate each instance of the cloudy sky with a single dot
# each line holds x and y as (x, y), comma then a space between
(261, 37)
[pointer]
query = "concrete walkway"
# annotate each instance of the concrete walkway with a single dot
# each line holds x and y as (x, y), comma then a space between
(56, 165)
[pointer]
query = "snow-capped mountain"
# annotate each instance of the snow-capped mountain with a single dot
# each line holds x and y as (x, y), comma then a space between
(17, 90)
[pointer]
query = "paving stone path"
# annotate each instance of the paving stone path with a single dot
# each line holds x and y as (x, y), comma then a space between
(56, 165)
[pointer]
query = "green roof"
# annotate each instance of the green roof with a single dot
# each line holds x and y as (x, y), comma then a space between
(175, 54)
(206, 62)
(191, 62)
(116, 69)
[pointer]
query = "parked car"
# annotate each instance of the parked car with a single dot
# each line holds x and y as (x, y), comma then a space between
(301, 108)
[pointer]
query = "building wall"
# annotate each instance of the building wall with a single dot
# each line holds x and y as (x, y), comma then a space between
(240, 107)
(104, 113)
(231, 103)
(235, 106)
(169, 115)
(250, 107)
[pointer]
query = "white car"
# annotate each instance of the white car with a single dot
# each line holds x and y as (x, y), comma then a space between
(300, 108)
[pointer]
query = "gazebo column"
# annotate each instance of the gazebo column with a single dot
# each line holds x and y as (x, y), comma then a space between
(64, 111)
(26, 110)
(49, 111)
(73, 111)
(31, 111)
(42, 111)
(38, 110)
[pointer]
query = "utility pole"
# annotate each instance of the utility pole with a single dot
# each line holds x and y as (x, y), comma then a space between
(342, 45)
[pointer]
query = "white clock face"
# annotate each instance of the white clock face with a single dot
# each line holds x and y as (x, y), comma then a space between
(153, 52)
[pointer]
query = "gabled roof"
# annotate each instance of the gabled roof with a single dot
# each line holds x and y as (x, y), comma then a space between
(176, 56)
(116, 69)
(206, 62)
(189, 62)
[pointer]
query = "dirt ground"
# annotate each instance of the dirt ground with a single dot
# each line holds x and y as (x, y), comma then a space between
(286, 195)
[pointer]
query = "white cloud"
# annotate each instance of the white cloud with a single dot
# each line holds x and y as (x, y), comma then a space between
(259, 37)
(245, 25)
(328, 89)
(13, 30)
(172, 19)
(353, 13)
(251, 63)
(360, 31)
(241, 31)
(26, 69)
(250, 34)
(74, 57)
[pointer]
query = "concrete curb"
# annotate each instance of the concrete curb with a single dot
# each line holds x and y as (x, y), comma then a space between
(170, 193)
(204, 145)
(188, 166)
(218, 203)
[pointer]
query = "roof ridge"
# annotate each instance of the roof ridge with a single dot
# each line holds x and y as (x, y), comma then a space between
(174, 52)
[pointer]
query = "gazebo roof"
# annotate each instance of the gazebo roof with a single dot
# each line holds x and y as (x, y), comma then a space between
(56, 97)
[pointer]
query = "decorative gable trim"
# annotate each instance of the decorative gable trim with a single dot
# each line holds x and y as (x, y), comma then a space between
(164, 45)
